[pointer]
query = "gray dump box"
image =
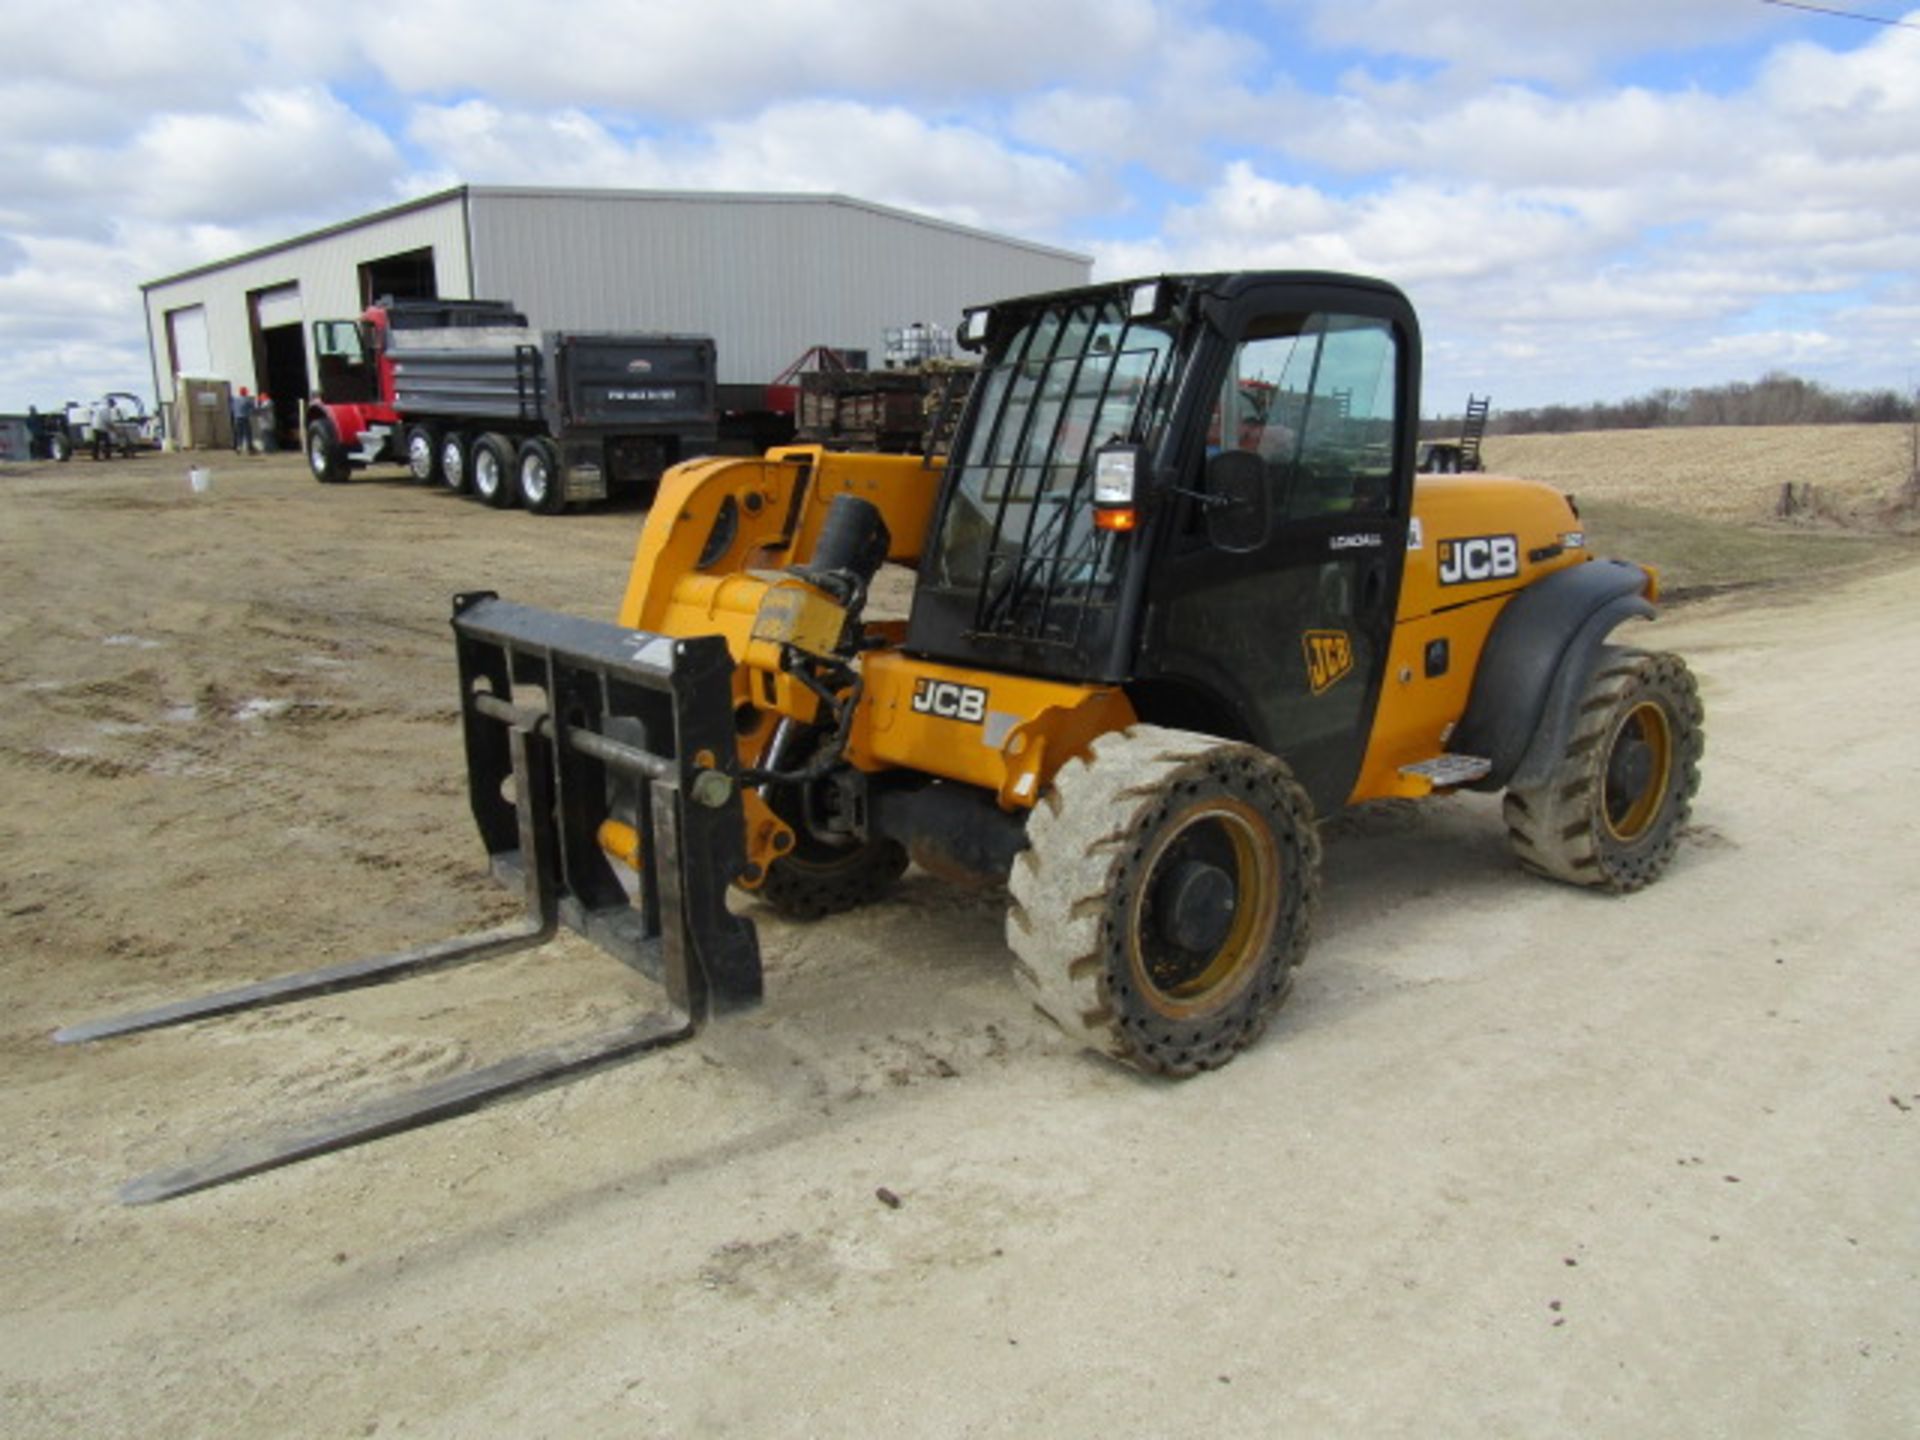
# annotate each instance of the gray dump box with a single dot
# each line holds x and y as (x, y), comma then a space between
(619, 407)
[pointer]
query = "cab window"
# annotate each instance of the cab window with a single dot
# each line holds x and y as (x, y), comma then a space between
(1313, 396)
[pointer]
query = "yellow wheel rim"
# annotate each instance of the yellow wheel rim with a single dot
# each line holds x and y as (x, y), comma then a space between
(1182, 983)
(1639, 766)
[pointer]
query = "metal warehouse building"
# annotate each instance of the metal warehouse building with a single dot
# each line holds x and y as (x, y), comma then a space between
(767, 275)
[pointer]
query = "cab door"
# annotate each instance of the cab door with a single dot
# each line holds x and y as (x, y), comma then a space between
(343, 358)
(1273, 622)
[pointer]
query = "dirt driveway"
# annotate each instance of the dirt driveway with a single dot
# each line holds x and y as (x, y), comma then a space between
(1515, 1161)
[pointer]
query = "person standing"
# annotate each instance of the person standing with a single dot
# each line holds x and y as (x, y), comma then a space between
(242, 409)
(265, 422)
(103, 418)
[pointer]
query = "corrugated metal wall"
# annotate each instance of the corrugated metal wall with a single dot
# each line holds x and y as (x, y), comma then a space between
(326, 270)
(766, 275)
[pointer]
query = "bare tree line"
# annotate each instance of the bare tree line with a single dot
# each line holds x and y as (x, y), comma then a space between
(1775, 398)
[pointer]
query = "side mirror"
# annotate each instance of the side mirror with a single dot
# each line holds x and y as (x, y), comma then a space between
(1238, 509)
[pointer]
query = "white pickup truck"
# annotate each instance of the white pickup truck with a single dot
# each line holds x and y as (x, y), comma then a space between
(131, 426)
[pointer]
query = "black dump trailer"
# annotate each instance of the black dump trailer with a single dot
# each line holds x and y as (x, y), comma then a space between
(475, 398)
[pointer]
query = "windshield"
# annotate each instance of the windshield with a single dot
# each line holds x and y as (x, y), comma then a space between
(1019, 523)
(1313, 396)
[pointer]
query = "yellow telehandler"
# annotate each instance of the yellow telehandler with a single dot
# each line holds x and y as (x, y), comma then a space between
(1178, 594)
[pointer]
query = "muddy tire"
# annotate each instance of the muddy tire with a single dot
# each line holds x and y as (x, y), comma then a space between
(1165, 897)
(1611, 813)
(816, 880)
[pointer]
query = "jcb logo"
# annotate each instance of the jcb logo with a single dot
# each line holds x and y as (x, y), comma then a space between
(950, 701)
(1484, 557)
(1329, 657)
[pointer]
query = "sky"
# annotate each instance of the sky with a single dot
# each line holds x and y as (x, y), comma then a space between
(1586, 199)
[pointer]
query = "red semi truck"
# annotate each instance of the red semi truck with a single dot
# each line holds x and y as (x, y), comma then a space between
(464, 392)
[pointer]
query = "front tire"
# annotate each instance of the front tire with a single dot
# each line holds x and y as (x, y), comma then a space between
(1165, 896)
(815, 880)
(326, 456)
(1610, 814)
(537, 474)
(492, 464)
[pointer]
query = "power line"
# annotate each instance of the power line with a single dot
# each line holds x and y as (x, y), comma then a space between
(1842, 14)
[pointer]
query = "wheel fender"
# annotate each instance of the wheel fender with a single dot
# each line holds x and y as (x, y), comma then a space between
(1543, 647)
(346, 420)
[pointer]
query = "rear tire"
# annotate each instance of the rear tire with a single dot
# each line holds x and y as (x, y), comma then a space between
(326, 456)
(453, 462)
(423, 454)
(1610, 814)
(537, 474)
(491, 461)
(1165, 897)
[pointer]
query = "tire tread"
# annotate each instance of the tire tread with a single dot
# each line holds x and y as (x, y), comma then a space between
(1554, 827)
(1080, 836)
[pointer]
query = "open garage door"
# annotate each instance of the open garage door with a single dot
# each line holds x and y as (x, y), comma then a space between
(409, 275)
(280, 354)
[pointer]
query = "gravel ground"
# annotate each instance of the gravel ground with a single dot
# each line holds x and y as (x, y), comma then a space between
(1515, 1160)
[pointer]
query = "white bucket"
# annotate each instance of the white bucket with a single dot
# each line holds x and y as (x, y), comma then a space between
(200, 478)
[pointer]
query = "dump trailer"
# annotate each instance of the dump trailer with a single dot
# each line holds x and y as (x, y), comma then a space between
(1180, 595)
(1462, 456)
(464, 393)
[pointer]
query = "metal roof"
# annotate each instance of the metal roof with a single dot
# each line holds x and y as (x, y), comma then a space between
(522, 192)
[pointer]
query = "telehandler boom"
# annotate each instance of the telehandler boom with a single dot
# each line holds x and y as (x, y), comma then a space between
(1178, 594)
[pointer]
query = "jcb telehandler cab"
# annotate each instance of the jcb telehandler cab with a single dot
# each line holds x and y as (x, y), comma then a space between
(1177, 595)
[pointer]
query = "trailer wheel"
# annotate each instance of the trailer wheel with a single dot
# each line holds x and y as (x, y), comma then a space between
(492, 463)
(539, 477)
(423, 454)
(1164, 898)
(326, 456)
(453, 462)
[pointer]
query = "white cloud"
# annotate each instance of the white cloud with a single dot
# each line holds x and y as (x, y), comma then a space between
(1612, 233)
(1199, 85)
(1518, 135)
(1570, 220)
(1410, 233)
(285, 153)
(885, 154)
(893, 156)
(670, 58)
(85, 220)
(485, 144)
(1526, 39)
